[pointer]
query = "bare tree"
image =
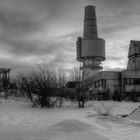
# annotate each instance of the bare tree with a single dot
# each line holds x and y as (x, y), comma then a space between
(43, 85)
(76, 73)
(39, 83)
(61, 81)
(61, 78)
(76, 76)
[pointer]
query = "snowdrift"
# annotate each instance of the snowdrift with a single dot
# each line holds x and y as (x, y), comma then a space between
(71, 129)
(70, 126)
(135, 115)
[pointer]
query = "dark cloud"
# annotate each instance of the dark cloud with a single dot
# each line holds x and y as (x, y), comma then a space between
(13, 21)
(16, 19)
(29, 48)
(49, 28)
(30, 15)
(117, 16)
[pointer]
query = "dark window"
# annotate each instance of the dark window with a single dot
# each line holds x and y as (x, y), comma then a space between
(136, 81)
(128, 81)
(96, 84)
(132, 81)
(100, 83)
(103, 82)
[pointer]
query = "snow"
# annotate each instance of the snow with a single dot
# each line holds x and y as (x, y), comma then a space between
(135, 115)
(20, 121)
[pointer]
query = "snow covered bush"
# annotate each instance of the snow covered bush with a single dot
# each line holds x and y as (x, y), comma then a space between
(103, 108)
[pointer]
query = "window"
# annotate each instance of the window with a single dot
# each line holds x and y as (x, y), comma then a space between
(97, 84)
(137, 81)
(132, 81)
(128, 81)
(100, 83)
(103, 82)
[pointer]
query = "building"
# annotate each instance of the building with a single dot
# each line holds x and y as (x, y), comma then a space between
(118, 85)
(130, 81)
(104, 84)
(100, 84)
(90, 48)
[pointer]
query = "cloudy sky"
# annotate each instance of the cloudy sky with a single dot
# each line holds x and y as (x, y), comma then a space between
(32, 31)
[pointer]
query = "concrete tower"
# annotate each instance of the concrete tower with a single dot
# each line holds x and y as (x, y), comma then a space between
(90, 48)
(134, 55)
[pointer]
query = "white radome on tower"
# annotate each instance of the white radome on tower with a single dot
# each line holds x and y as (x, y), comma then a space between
(90, 48)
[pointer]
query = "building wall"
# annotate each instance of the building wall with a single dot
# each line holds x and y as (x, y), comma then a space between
(131, 84)
(134, 55)
(125, 84)
(106, 83)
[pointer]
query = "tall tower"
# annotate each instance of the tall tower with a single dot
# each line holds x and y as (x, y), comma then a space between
(90, 48)
(134, 55)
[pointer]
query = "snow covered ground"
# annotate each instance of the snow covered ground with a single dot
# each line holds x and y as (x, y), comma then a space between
(20, 121)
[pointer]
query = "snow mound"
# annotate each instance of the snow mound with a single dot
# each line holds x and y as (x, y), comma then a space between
(135, 115)
(86, 135)
(70, 126)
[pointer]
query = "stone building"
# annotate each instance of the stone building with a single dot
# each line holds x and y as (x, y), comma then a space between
(118, 85)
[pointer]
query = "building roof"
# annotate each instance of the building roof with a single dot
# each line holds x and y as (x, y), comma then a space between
(134, 48)
(136, 42)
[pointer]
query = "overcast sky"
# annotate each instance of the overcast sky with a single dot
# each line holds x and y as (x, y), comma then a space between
(32, 31)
